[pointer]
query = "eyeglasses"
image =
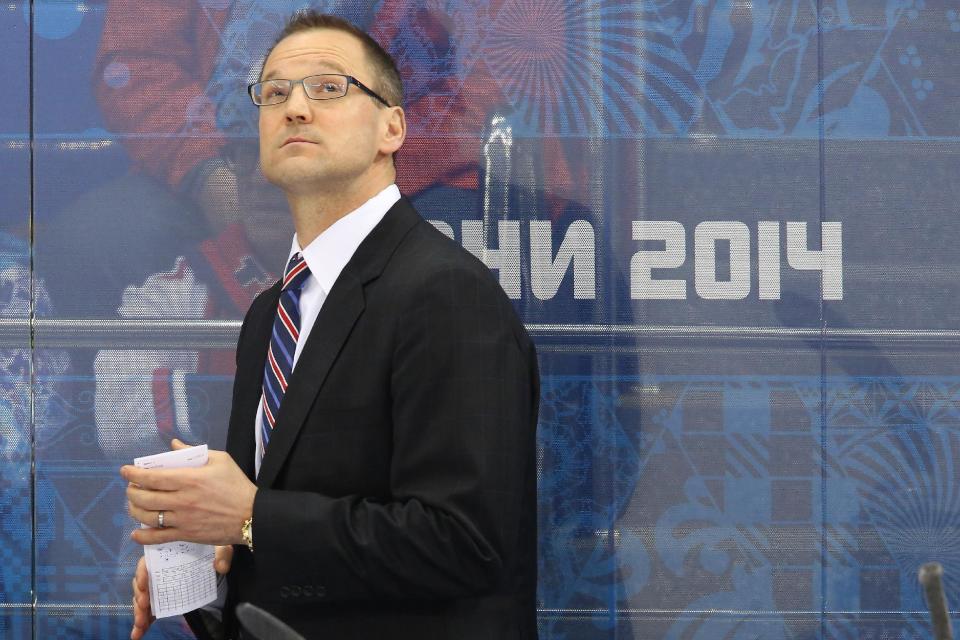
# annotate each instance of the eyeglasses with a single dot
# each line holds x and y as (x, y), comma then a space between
(326, 86)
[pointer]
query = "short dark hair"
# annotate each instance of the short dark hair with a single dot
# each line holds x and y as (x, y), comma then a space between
(388, 81)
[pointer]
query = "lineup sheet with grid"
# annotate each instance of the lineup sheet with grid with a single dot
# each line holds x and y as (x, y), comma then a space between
(182, 577)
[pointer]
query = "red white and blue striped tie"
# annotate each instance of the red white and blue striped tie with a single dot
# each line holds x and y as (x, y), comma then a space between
(283, 344)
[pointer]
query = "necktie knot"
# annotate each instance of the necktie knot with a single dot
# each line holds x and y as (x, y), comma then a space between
(296, 273)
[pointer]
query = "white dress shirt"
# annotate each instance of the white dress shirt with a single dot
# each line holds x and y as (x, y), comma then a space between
(326, 256)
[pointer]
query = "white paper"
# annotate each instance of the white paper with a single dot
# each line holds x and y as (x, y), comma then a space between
(182, 577)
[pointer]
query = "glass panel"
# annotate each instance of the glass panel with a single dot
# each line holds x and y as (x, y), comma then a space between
(16, 434)
(83, 556)
(891, 159)
(729, 226)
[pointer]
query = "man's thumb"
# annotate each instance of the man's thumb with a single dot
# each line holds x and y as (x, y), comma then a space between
(223, 558)
(179, 444)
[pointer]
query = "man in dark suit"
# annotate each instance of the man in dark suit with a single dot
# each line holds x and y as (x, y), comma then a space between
(379, 478)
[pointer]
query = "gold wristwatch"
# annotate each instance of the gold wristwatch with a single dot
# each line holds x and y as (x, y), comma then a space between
(246, 532)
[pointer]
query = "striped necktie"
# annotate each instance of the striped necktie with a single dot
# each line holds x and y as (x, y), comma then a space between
(283, 344)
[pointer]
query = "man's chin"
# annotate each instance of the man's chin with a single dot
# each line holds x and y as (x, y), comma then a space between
(296, 174)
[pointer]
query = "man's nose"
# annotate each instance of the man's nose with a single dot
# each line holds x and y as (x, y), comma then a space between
(298, 105)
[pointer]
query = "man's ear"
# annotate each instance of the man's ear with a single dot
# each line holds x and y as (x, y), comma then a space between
(394, 132)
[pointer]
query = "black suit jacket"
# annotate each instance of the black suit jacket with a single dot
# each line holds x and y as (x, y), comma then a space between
(397, 497)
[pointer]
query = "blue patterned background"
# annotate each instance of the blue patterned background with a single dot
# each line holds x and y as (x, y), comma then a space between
(760, 466)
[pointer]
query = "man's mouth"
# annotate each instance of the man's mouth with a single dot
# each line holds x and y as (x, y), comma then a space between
(293, 139)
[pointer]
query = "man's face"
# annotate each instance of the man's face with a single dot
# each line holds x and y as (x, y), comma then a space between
(327, 144)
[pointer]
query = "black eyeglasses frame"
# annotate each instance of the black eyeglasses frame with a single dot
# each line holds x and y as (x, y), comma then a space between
(350, 80)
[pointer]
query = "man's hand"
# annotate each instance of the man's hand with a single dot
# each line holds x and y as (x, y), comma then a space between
(207, 504)
(142, 616)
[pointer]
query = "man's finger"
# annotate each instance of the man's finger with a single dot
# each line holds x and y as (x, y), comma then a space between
(140, 575)
(140, 583)
(141, 611)
(149, 500)
(155, 479)
(141, 623)
(223, 558)
(142, 615)
(151, 517)
(144, 516)
(176, 443)
(156, 536)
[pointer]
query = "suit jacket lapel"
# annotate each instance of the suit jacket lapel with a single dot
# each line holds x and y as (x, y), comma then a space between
(343, 306)
(339, 313)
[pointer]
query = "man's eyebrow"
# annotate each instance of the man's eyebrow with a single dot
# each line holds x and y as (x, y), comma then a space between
(325, 66)
(333, 66)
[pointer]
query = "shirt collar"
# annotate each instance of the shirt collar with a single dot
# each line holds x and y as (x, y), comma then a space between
(330, 252)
